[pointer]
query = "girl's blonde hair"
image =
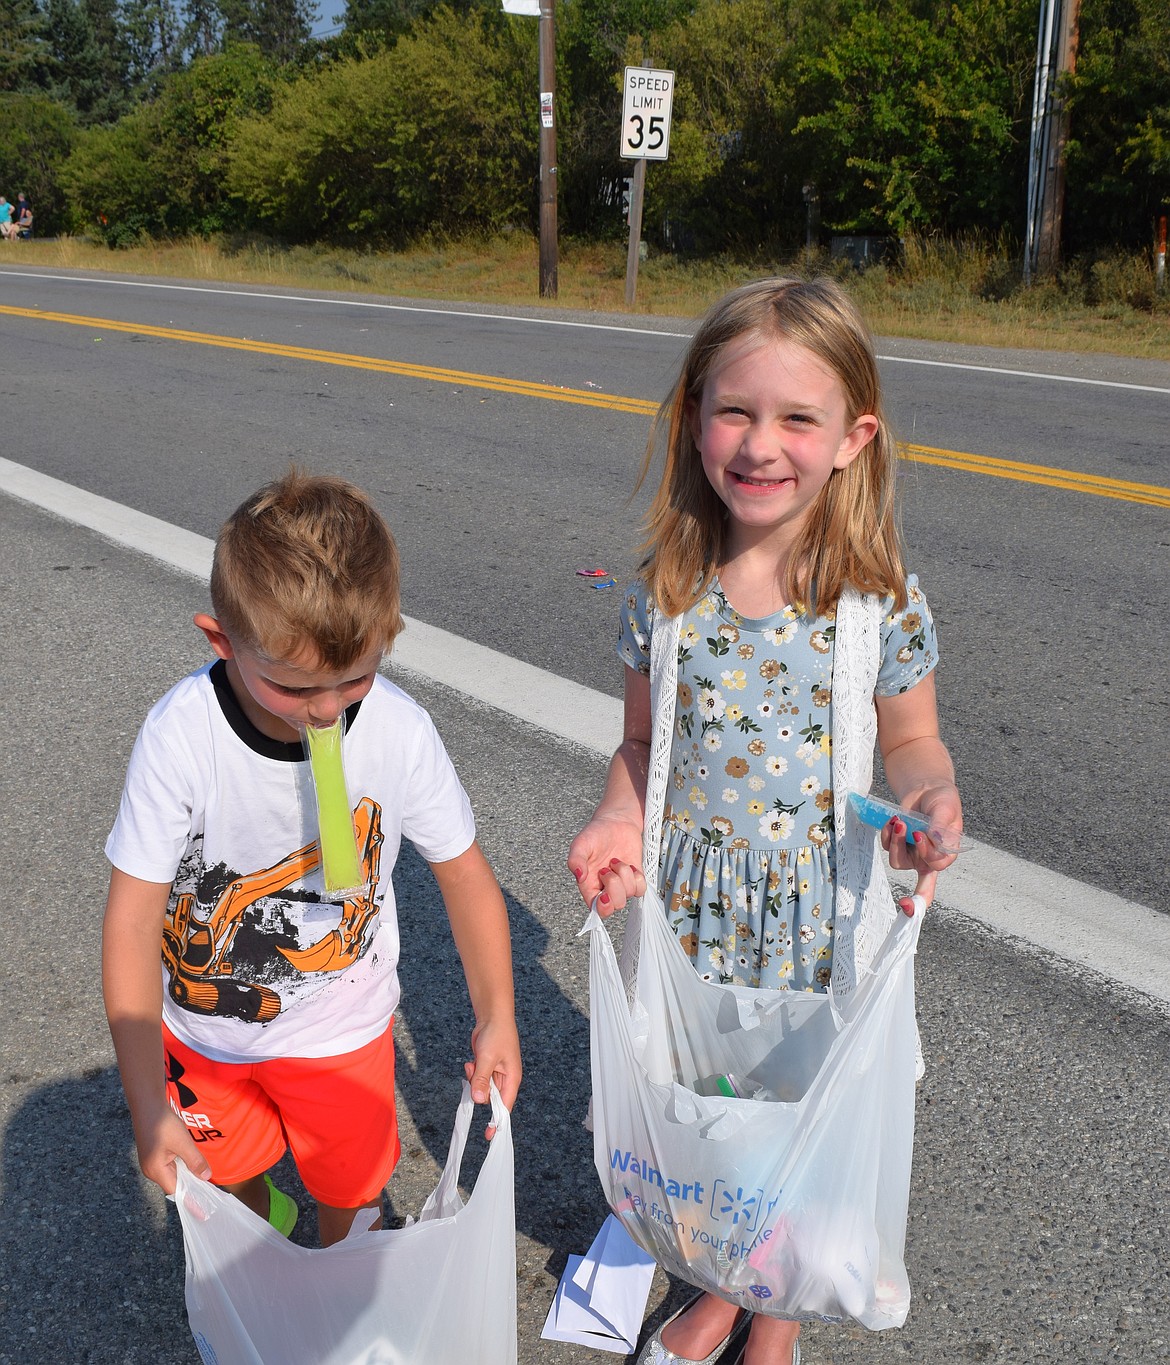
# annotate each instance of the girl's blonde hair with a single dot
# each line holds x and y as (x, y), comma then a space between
(849, 535)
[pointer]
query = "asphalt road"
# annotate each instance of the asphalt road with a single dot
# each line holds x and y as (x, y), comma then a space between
(1037, 1229)
(1051, 604)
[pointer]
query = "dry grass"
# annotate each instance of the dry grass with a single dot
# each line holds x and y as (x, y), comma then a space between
(939, 292)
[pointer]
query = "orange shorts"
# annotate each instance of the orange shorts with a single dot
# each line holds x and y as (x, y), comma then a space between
(335, 1113)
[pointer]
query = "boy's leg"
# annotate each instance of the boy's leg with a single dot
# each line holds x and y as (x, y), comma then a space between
(227, 1112)
(333, 1224)
(253, 1193)
(339, 1116)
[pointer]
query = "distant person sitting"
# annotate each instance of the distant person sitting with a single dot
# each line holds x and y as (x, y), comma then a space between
(24, 217)
(7, 228)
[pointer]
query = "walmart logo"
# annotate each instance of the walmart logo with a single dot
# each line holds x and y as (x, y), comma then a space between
(734, 1204)
(737, 1206)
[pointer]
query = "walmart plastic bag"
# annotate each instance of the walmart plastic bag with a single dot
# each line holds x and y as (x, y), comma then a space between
(441, 1291)
(792, 1205)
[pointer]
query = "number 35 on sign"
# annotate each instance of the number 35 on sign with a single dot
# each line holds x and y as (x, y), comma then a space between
(646, 113)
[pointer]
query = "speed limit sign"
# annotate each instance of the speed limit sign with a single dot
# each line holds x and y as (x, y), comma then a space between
(646, 113)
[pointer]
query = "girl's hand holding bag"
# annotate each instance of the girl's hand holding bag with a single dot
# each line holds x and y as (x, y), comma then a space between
(795, 1204)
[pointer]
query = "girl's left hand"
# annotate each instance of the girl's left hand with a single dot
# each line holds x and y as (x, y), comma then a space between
(944, 810)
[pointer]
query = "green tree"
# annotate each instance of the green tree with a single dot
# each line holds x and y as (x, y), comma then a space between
(437, 132)
(279, 28)
(36, 135)
(604, 28)
(593, 45)
(735, 175)
(373, 23)
(162, 168)
(381, 20)
(24, 51)
(203, 30)
(89, 59)
(1119, 149)
(908, 121)
(113, 50)
(153, 35)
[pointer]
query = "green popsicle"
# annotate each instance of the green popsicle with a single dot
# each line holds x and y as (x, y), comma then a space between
(340, 863)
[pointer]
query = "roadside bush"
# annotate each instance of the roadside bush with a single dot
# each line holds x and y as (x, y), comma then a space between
(908, 119)
(1123, 278)
(36, 135)
(437, 133)
(1119, 147)
(897, 118)
(161, 169)
(114, 188)
(727, 184)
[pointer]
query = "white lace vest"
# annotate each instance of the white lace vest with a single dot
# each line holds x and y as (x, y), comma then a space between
(863, 904)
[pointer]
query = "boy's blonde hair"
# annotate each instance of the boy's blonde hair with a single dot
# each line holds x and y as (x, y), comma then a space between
(307, 561)
(849, 534)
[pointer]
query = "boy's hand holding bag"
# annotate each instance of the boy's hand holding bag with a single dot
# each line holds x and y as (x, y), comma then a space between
(440, 1289)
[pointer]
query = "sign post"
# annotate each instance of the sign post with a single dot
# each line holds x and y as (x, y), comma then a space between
(646, 104)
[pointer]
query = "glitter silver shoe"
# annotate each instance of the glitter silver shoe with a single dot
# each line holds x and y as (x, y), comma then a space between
(654, 1353)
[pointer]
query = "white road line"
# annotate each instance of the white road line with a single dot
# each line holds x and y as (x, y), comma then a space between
(547, 322)
(346, 303)
(1109, 937)
(1023, 374)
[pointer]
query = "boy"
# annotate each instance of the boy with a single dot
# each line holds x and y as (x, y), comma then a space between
(277, 1003)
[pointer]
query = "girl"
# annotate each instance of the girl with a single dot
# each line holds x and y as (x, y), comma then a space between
(776, 498)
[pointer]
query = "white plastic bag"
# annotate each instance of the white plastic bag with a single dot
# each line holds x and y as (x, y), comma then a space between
(794, 1207)
(441, 1291)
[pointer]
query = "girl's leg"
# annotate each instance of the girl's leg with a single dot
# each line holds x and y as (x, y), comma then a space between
(697, 1332)
(770, 1341)
(333, 1224)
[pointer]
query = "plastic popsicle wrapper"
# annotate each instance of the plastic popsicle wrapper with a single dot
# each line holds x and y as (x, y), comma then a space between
(340, 864)
(873, 811)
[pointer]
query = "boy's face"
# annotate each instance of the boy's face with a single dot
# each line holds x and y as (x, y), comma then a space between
(282, 696)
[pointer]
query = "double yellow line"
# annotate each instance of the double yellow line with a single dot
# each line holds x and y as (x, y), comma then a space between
(521, 387)
(1068, 479)
(1149, 494)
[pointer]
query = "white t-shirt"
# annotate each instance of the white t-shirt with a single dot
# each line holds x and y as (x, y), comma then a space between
(257, 963)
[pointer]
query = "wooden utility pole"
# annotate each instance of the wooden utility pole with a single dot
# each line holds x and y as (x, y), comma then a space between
(1052, 210)
(548, 153)
(1056, 56)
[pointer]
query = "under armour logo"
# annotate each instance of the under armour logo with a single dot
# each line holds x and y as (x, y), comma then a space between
(175, 1069)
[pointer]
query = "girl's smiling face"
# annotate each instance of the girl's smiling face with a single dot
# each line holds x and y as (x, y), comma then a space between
(771, 427)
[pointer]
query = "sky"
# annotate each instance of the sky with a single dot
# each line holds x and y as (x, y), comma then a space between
(328, 19)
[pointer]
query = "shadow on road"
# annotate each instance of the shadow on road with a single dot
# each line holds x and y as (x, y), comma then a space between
(92, 1257)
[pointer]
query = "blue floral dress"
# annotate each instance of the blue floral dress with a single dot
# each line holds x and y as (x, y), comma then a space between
(747, 859)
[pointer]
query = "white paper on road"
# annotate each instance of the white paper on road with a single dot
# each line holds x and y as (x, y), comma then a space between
(601, 1299)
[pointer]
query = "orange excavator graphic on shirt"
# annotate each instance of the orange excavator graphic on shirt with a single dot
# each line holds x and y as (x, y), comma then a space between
(198, 953)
